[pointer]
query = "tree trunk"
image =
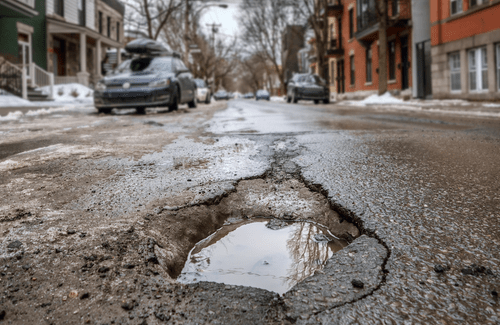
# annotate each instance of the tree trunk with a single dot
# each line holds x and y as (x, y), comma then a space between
(382, 54)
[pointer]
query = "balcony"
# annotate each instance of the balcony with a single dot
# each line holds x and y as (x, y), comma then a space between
(335, 8)
(335, 48)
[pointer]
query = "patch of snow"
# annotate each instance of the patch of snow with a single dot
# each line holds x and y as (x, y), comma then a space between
(386, 98)
(12, 116)
(491, 105)
(13, 101)
(70, 93)
(278, 99)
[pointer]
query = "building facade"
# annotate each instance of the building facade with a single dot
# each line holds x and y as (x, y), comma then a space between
(465, 49)
(353, 48)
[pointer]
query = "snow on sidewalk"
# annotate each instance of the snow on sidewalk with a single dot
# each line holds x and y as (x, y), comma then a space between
(14, 101)
(71, 93)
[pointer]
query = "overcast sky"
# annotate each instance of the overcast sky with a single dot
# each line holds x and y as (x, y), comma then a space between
(228, 18)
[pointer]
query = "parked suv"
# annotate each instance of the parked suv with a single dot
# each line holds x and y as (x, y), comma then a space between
(307, 87)
(154, 77)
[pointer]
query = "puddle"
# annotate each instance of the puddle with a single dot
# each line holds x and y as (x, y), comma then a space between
(264, 253)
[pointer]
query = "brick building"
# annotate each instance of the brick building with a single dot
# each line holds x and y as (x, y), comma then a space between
(352, 50)
(465, 39)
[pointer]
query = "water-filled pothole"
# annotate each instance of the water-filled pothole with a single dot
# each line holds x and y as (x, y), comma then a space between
(271, 254)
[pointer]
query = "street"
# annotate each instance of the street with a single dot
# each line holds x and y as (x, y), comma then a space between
(98, 213)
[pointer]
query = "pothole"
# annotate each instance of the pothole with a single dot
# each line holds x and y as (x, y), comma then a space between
(270, 254)
(285, 200)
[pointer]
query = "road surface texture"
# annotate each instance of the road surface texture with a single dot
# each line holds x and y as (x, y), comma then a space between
(99, 212)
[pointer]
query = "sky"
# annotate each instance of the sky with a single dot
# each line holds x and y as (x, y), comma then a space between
(228, 18)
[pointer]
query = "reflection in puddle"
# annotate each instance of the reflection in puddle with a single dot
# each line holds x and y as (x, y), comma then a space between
(248, 253)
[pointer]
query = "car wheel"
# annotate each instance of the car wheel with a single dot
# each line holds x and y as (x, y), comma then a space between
(104, 110)
(208, 99)
(175, 101)
(326, 101)
(193, 103)
(141, 110)
(288, 99)
(294, 97)
(316, 101)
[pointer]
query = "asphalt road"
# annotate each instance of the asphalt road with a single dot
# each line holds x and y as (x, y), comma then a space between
(98, 213)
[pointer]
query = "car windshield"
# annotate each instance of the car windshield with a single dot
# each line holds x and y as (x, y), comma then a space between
(262, 92)
(147, 64)
(200, 83)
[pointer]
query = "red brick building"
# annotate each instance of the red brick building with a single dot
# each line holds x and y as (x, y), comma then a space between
(465, 40)
(353, 47)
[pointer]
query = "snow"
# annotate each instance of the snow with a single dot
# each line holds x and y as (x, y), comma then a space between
(71, 93)
(277, 98)
(386, 98)
(491, 105)
(12, 116)
(13, 101)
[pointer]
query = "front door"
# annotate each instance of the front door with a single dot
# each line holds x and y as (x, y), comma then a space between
(340, 77)
(24, 51)
(404, 63)
(59, 57)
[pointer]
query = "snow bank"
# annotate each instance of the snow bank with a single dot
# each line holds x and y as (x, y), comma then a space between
(12, 116)
(70, 93)
(13, 101)
(381, 100)
(277, 98)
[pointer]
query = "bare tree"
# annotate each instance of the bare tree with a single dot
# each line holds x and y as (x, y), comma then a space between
(315, 14)
(263, 22)
(151, 15)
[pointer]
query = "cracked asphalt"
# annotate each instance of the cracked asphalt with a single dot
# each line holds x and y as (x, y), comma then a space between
(99, 212)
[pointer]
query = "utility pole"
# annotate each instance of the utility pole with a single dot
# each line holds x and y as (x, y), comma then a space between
(186, 32)
(215, 29)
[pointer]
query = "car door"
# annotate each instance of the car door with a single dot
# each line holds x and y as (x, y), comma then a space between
(186, 81)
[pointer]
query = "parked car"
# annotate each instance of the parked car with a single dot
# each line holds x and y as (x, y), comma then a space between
(154, 77)
(248, 96)
(262, 94)
(202, 91)
(221, 95)
(307, 87)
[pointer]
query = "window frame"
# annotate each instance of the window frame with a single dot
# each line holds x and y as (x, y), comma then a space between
(455, 69)
(459, 7)
(391, 65)
(478, 66)
(351, 23)
(100, 22)
(59, 7)
(369, 65)
(109, 26)
(117, 31)
(352, 69)
(395, 8)
(498, 66)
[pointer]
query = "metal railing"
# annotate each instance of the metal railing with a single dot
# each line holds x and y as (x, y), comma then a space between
(13, 79)
(367, 18)
(42, 78)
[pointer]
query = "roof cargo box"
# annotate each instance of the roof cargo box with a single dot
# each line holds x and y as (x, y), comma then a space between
(146, 46)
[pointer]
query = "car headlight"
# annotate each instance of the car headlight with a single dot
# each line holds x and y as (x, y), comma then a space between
(100, 86)
(159, 83)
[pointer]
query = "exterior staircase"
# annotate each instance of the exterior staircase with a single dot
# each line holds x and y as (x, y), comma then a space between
(15, 80)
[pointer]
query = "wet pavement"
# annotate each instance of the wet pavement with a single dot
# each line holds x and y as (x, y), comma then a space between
(99, 213)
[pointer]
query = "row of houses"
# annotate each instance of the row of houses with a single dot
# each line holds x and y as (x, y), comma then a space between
(435, 49)
(66, 39)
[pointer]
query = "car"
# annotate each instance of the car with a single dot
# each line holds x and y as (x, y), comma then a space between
(202, 91)
(248, 95)
(221, 95)
(262, 94)
(154, 77)
(307, 87)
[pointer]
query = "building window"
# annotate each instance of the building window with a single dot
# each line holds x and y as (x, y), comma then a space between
(392, 60)
(81, 12)
(59, 7)
(395, 7)
(455, 6)
(100, 22)
(369, 65)
(475, 2)
(498, 66)
(109, 26)
(351, 23)
(117, 31)
(455, 71)
(478, 69)
(353, 75)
